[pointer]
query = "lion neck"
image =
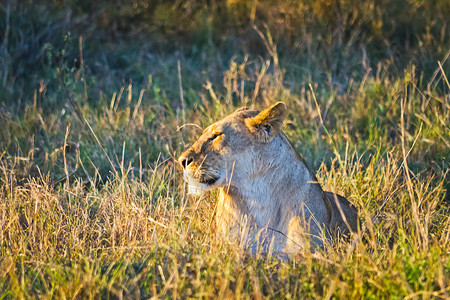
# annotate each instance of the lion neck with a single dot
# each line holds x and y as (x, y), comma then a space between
(270, 183)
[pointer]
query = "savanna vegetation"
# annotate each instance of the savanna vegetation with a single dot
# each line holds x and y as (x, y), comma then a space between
(99, 98)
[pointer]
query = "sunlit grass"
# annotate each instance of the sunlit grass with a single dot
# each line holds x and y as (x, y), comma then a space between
(92, 201)
(136, 233)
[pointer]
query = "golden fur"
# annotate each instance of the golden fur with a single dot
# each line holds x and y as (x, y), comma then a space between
(267, 193)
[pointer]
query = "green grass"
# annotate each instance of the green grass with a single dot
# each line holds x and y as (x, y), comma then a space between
(92, 201)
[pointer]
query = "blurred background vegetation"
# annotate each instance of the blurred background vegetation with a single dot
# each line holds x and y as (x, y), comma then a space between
(130, 39)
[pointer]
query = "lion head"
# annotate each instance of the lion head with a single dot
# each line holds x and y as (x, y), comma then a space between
(227, 149)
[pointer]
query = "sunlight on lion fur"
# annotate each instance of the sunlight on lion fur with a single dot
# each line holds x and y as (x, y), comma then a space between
(268, 196)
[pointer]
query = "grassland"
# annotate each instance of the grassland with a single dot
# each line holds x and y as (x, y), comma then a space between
(98, 100)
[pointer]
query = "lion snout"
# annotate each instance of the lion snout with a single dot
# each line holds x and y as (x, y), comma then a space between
(186, 159)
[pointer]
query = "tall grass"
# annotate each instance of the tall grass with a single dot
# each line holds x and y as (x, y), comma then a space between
(136, 233)
(92, 202)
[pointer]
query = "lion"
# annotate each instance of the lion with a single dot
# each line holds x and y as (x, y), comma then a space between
(268, 195)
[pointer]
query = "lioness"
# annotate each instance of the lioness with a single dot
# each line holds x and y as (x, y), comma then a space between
(264, 183)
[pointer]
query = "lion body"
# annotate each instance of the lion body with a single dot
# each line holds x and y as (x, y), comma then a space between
(268, 195)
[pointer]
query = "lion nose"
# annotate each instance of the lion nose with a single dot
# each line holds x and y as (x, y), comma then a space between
(185, 160)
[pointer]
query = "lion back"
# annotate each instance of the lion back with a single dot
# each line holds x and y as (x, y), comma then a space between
(341, 206)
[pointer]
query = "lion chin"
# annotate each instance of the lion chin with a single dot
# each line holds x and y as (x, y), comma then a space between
(195, 187)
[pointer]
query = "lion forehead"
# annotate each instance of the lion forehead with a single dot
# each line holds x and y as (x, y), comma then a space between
(243, 113)
(234, 136)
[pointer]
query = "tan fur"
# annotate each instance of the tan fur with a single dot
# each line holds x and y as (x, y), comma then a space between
(267, 193)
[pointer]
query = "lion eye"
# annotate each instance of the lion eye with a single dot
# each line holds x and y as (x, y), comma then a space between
(215, 135)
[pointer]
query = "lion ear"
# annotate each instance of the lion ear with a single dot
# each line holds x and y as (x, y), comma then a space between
(267, 123)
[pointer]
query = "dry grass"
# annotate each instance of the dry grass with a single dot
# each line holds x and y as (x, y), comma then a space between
(142, 239)
(92, 203)
(137, 234)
